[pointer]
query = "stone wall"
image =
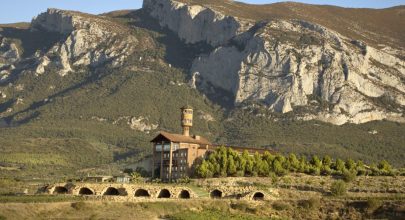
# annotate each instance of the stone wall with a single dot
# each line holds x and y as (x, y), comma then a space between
(130, 192)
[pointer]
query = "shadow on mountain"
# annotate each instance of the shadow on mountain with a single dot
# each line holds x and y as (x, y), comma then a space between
(93, 77)
(32, 41)
(178, 53)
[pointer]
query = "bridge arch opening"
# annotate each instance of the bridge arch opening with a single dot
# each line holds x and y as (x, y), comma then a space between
(164, 193)
(85, 191)
(184, 194)
(258, 196)
(216, 194)
(60, 190)
(142, 193)
(111, 191)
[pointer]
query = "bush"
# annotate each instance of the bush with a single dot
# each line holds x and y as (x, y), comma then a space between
(349, 176)
(373, 204)
(338, 188)
(2, 217)
(241, 206)
(78, 205)
(311, 204)
(280, 206)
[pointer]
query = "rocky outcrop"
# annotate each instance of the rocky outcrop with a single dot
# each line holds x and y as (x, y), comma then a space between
(89, 41)
(286, 64)
(193, 23)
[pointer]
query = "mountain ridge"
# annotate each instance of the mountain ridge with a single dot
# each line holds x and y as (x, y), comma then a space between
(113, 110)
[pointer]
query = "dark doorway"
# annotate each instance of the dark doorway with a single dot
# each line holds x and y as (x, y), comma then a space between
(184, 194)
(111, 191)
(85, 191)
(141, 193)
(258, 196)
(216, 194)
(164, 193)
(60, 190)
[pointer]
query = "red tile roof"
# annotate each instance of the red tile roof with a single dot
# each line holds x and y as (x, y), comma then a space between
(180, 138)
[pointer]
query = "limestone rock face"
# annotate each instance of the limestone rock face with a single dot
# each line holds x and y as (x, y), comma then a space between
(193, 23)
(84, 35)
(286, 64)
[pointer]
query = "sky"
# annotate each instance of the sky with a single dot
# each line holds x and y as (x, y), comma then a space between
(12, 11)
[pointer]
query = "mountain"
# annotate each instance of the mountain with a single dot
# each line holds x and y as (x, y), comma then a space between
(289, 63)
(80, 91)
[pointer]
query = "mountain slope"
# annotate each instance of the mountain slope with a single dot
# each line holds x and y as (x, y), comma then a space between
(375, 27)
(289, 64)
(75, 85)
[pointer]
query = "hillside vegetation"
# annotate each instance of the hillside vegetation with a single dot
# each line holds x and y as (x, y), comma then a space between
(369, 25)
(53, 126)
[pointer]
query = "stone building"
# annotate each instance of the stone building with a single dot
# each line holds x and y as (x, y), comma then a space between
(175, 154)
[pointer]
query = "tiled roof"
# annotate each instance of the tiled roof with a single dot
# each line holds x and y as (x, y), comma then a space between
(180, 138)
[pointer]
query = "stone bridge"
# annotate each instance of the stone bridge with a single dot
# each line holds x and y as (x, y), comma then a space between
(150, 191)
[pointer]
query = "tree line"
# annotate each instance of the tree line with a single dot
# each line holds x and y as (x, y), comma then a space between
(225, 162)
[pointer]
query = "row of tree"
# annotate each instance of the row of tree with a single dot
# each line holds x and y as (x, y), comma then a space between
(227, 162)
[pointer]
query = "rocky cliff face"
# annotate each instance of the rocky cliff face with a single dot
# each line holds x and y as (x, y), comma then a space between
(289, 65)
(91, 41)
(86, 40)
(194, 23)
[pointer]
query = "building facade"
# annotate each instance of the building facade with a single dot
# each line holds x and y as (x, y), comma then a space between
(175, 155)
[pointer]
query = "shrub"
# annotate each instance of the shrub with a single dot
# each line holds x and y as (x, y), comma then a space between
(78, 205)
(312, 203)
(2, 217)
(280, 206)
(338, 188)
(349, 175)
(373, 204)
(241, 206)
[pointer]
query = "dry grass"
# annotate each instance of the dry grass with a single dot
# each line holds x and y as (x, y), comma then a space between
(370, 25)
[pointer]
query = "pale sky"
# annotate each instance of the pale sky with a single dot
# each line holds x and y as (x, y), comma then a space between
(12, 11)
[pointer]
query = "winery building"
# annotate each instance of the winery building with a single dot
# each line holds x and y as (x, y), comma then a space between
(174, 154)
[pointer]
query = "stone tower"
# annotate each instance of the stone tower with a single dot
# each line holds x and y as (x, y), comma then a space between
(186, 119)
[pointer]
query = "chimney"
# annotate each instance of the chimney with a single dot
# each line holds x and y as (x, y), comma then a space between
(197, 137)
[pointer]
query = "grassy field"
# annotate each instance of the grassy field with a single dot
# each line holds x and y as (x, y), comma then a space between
(290, 197)
(209, 209)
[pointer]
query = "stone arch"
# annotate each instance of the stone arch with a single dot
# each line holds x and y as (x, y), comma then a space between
(184, 194)
(86, 191)
(258, 196)
(111, 191)
(164, 193)
(142, 193)
(60, 190)
(216, 194)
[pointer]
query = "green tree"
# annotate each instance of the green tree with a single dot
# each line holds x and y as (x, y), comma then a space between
(294, 162)
(231, 166)
(340, 166)
(350, 164)
(385, 167)
(327, 161)
(278, 168)
(361, 169)
(316, 161)
(203, 170)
